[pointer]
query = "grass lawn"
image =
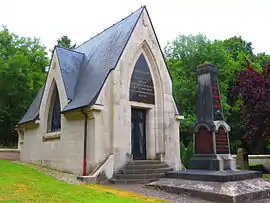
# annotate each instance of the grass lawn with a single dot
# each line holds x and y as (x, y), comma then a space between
(21, 183)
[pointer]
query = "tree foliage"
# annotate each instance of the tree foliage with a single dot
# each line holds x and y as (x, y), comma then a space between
(22, 63)
(253, 87)
(236, 46)
(65, 41)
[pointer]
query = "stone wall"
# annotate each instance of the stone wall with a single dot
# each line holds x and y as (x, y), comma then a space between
(10, 154)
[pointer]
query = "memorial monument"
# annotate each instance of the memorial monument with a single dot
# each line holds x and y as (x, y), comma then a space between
(212, 173)
(211, 141)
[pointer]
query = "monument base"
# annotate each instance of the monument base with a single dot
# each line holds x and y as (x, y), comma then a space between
(212, 162)
(218, 176)
(245, 191)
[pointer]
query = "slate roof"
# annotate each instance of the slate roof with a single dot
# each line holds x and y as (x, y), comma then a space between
(33, 111)
(102, 54)
(85, 70)
(70, 63)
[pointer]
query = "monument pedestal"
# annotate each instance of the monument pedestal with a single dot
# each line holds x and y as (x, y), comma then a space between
(212, 162)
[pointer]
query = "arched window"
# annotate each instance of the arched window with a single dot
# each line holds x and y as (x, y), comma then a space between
(54, 118)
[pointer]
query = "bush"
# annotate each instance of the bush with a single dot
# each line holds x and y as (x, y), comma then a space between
(187, 155)
(182, 149)
(255, 167)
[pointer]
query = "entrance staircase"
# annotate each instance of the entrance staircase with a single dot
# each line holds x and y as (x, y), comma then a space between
(140, 172)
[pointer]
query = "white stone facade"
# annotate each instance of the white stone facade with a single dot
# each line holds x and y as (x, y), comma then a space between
(109, 120)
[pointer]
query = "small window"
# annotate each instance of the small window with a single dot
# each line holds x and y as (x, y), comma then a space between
(54, 118)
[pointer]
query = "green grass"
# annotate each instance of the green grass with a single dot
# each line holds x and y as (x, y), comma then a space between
(21, 183)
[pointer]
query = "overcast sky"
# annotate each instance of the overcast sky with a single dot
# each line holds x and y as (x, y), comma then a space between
(81, 19)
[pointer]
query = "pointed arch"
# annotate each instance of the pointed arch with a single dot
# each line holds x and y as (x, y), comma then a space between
(158, 86)
(158, 83)
(54, 113)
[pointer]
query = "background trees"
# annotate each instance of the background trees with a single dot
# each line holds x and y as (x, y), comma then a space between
(253, 87)
(65, 41)
(22, 63)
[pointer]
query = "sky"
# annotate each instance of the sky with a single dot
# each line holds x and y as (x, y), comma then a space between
(82, 19)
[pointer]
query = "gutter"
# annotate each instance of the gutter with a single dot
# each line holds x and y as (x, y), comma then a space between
(85, 143)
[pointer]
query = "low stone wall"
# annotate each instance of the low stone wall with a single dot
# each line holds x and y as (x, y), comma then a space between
(10, 154)
(259, 159)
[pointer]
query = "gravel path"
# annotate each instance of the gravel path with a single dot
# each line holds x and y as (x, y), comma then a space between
(140, 189)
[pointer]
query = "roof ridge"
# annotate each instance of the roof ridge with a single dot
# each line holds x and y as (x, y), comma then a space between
(57, 46)
(111, 26)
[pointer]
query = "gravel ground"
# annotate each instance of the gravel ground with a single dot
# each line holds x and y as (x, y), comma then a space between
(160, 194)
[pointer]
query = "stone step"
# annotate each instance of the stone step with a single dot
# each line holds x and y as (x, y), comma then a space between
(131, 181)
(145, 166)
(141, 172)
(139, 176)
(144, 162)
(146, 171)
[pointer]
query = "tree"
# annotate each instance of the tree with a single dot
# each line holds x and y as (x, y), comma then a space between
(65, 42)
(253, 87)
(236, 46)
(22, 63)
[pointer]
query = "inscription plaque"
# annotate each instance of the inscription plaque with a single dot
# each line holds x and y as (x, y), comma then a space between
(203, 141)
(216, 98)
(222, 145)
(141, 86)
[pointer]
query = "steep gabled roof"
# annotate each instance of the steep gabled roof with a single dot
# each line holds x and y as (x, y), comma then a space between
(85, 70)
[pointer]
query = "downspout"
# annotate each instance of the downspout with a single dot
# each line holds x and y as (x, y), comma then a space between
(85, 143)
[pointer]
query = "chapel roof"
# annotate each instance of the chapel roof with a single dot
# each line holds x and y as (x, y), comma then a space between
(85, 69)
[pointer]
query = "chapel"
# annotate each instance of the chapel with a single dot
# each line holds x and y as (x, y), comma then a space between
(105, 103)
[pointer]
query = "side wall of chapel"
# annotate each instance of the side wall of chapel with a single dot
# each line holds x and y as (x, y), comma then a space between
(65, 152)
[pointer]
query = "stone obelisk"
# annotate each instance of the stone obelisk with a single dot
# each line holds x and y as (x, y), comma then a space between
(210, 138)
